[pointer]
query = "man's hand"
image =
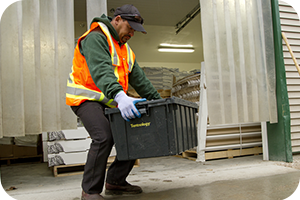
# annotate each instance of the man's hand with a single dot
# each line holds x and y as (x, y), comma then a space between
(127, 107)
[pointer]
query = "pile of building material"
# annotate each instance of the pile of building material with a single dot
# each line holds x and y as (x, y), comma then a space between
(162, 77)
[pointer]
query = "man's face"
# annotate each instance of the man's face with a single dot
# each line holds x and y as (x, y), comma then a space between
(125, 31)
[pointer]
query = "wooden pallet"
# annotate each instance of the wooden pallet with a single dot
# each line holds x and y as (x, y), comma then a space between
(19, 160)
(76, 169)
(229, 153)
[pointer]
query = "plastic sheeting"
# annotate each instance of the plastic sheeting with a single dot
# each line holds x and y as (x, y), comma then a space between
(36, 44)
(239, 59)
(95, 8)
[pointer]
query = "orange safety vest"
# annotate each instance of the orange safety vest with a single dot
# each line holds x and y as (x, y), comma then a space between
(81, 87)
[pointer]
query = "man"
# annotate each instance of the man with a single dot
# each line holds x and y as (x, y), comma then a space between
(103, 66)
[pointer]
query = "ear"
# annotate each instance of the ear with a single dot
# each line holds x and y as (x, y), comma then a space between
(118, 18)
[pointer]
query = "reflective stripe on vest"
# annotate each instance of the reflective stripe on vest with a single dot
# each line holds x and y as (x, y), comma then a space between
(81, 92)
(129, 57)
(114, 56)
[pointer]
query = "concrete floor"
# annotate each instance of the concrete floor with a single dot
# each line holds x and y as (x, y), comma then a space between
(168, 178)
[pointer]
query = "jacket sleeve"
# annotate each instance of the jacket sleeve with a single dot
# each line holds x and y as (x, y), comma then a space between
(141, 84)
(94, 47)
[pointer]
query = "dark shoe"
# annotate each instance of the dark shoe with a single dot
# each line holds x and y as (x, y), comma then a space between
(85, 196)
(122, 189)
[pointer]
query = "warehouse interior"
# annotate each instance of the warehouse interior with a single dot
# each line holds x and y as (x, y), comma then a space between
(160, 20)
(157, 175)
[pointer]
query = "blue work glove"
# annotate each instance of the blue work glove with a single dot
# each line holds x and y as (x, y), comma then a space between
(127, 107)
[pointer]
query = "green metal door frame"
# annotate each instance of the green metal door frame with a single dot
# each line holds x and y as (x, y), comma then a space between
(279, 134)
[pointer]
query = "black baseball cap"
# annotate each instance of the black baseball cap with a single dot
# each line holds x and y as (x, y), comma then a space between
(132, 15)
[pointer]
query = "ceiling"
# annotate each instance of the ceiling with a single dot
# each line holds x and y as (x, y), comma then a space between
(160, 19)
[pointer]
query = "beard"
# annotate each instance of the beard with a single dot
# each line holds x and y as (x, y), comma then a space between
(125, 38)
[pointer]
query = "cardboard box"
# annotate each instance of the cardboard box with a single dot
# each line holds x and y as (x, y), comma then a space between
(6, 151)
(24, 151)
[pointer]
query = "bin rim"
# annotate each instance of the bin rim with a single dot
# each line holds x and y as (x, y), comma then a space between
(158, 102)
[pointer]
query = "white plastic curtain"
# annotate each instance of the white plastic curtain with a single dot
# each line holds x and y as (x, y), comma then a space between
(239, 59)
(36, 49)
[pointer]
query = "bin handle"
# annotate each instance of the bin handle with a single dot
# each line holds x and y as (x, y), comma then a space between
(143, 111)
(142, 108)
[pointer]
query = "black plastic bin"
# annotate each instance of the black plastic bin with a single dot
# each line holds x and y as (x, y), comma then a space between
(167, 127)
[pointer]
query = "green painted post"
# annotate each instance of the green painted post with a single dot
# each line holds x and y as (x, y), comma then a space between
(279, 134)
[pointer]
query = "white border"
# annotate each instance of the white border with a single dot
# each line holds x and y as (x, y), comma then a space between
(296, 5)
(6, 3)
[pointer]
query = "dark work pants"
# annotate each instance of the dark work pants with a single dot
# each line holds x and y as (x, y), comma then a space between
(97, 124)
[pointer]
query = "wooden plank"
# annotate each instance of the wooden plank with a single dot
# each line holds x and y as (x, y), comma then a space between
(67, 170)
(251, 129)
(231, 141)
(233, 130)
(190, 155)
(223, 131)
(77, 169)
(233, 153)
(230, 153)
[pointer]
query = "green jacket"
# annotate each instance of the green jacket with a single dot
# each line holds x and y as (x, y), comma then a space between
(94, 47)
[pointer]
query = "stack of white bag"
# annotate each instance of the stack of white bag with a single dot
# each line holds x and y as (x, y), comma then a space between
(66, 147)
